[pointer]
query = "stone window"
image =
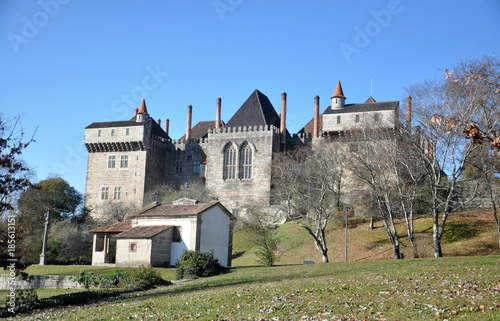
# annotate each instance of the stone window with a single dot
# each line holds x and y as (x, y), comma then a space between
(246, 162)
(105, 193)
(357, 119)
(338, 119)
(99, 133)
(111, 161)
(376, 117)
(177, 234)
(118, 193)
(132, 247)
(196, 167)
(127, 131)
(178, 167)
(124, 161)
(230, 162)
(112, 132)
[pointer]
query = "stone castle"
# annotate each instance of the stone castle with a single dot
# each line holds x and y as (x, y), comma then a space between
(233, 159)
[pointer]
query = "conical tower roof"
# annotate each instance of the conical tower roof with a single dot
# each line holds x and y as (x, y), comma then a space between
(143, 109)
(338, 91)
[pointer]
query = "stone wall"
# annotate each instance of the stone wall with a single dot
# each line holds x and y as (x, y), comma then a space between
(234, 194)
(40, 282)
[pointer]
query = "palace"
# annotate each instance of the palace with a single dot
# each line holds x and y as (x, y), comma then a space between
(233, 159)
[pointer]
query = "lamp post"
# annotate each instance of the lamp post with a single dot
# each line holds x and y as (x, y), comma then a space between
(43, 260)
(186, 189)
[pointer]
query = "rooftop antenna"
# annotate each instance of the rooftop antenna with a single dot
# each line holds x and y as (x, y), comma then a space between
(371, 89)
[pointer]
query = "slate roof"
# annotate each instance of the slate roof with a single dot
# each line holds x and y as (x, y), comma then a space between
(175, 210)
(256, 110)
(200, 130)
(144, 231)
(120, 123)
(113, 228)
(156, 129)
(359, 108)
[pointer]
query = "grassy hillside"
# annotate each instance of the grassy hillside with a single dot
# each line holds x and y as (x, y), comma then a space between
(467, 233)
(453, 288)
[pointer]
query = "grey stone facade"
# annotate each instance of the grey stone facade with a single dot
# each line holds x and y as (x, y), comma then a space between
(253, 133)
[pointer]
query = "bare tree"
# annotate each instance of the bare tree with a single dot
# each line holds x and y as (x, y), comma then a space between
(373, 161)
(117, 211)
(309, 185)
(166, 193)
(441, 109)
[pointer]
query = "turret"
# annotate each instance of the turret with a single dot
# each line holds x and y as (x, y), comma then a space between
(338, 98)
(142, 114)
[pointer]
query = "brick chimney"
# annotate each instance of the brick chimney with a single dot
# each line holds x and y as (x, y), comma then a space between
(283, 119)
(315, 133)
(136, 111)
(408, 112)
(217, 115)
(188, 124)
(167, 121)
(158, 121)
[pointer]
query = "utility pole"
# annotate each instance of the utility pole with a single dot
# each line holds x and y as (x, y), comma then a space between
(345, 210)
(43, 260)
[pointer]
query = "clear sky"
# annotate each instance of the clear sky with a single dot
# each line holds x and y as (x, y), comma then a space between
(68, 63)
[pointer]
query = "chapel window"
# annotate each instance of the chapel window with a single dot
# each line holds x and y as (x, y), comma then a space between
(246, 162)
(357, 118)
(230, 162)
(132, 247)
(338, 119)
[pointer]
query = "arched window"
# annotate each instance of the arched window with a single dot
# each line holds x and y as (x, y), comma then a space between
(246, 162)
(229, 162)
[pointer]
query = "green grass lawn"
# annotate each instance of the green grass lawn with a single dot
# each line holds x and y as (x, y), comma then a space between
(465, 288)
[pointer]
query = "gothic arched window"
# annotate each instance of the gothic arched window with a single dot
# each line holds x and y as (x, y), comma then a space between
(246, 161)
(229, 162)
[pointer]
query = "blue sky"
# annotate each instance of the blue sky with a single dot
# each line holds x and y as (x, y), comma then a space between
(68, 63)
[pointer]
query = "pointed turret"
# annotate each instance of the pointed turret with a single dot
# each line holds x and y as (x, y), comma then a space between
(338, 98)
(142, 114)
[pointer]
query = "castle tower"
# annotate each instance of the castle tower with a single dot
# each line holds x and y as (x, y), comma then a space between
(338, 98)
(126, 158)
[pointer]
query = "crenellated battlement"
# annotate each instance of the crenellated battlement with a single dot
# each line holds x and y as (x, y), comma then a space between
(245, 129)
(191, 141)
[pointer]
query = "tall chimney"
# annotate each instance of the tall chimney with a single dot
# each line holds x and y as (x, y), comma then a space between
(188, 125)
(217, 115)
(408, 112)
(136, 111)
(283, 119)
(166, 125)
(315, 133)
(158, 121)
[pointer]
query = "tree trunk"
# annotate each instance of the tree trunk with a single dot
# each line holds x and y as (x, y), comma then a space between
(372, 220)
(437, 246)
(325, 258)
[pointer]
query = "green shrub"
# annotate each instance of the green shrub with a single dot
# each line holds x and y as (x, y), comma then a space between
(142, 279)
(26, 300)
(197, 264)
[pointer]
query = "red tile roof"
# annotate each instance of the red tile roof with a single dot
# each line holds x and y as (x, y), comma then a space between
(117, 227)
(144, 231)
(175, 210)
(338, 91)
(143, 109)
